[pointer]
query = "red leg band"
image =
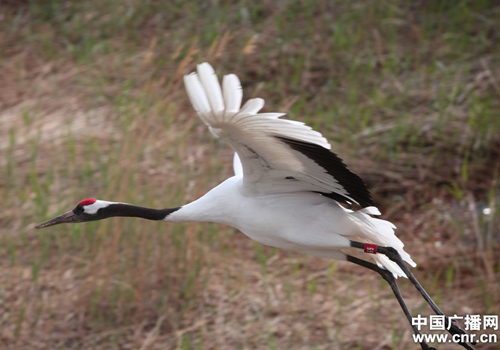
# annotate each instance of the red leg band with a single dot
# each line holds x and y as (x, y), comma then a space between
(370, 248)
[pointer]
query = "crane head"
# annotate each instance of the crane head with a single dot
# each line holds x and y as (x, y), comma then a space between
(86, 210)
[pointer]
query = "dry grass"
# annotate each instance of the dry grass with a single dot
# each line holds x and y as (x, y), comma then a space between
(92, 104)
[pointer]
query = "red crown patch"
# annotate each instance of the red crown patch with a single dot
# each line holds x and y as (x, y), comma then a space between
(87, 201)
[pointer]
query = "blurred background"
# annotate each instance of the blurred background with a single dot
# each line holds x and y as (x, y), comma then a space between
(92, 104)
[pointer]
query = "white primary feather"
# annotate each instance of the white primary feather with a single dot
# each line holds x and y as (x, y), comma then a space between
(233, 94)
(198, 97)
(251, 107)
(211, 87)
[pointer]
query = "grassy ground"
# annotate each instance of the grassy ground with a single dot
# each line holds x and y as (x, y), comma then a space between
(92, 105)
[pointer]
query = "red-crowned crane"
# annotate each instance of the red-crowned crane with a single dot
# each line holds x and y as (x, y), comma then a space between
(289, 190)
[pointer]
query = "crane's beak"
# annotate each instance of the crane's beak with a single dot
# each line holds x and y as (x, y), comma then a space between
(67, 217)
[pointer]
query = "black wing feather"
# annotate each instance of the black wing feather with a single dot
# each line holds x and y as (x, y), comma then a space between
(334, 166)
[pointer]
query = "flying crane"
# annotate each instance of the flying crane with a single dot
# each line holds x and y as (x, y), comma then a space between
(289, 191)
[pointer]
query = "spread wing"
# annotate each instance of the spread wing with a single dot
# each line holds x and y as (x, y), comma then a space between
(275, 155)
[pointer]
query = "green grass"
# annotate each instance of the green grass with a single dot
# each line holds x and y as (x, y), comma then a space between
(93, 106)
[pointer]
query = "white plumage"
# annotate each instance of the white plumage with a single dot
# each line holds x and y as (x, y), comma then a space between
(282, 188)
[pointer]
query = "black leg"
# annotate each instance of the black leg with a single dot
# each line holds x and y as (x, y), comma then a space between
(393, 254)
(388, 276)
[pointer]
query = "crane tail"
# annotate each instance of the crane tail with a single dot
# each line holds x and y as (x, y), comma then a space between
(381, 232)
(386, 263)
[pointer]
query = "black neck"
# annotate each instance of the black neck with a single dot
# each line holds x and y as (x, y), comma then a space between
(122, 209)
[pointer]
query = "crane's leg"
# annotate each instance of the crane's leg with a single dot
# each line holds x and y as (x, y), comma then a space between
(389, 277)
(393, 254)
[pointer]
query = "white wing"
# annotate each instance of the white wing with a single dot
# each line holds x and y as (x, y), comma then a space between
(277, 155)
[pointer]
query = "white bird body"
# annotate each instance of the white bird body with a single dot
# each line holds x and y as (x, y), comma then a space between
(303, 221)
(281, 220)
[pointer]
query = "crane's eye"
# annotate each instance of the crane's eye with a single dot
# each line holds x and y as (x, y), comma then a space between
(78, 210)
